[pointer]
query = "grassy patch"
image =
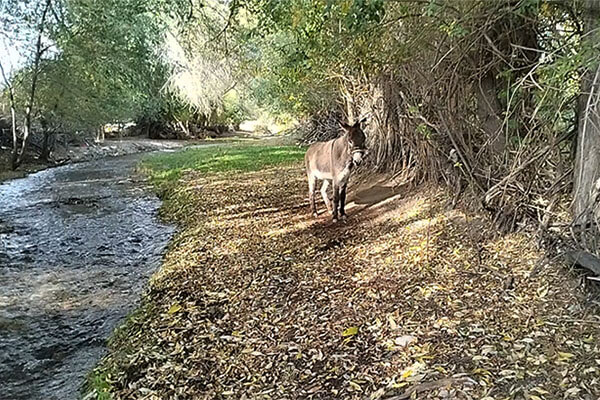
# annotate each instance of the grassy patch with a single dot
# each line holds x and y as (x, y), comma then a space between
(167, 168)
(98, 384)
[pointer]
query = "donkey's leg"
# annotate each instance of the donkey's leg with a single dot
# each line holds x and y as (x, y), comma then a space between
(324, 194)
(343, 200)
(336, 200)
(312, 182)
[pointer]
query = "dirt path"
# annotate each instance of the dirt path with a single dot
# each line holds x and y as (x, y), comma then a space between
(256, 300)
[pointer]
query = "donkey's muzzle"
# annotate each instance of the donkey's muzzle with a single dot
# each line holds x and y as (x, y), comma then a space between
(357, 157)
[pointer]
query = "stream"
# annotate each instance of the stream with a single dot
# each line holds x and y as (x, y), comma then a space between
(77, 246)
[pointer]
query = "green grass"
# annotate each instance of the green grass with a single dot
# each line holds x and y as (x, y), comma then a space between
(167, 168)
(98, 383)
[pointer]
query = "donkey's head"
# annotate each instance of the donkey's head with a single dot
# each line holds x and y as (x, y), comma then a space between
(356, 141)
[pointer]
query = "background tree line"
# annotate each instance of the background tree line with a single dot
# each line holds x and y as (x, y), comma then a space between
(85, 64)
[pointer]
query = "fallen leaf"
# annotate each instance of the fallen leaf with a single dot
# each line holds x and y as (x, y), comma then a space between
(174, 308)
(353, 330)
(404, 340)
(565, 356)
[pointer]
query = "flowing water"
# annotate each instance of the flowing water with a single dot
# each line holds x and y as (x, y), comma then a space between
(77, 245)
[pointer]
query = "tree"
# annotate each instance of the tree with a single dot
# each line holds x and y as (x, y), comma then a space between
(111, 52)
(202, 65)
(586, 183)
(473, 93)
(35, 18)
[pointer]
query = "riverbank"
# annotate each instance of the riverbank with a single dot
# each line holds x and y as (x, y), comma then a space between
(89, 150)
(256, 299)
(86, 152)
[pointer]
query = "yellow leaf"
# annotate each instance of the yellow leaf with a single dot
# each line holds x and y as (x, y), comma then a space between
(565, 356)
(353, 330)
(407, 373)
(174, 308)
(540, 390)
(481, 371)
(392, 322)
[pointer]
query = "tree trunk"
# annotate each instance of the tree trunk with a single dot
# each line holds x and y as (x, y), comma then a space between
(587, 153)
(45, 154)
(20, 151)
(13, 116)
(100, 135)
(39, 51)
(489, 111)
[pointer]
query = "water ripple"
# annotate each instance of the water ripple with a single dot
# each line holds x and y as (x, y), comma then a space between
(77, 244)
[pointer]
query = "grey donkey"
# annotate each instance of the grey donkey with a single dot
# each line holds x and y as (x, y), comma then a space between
(332, 162)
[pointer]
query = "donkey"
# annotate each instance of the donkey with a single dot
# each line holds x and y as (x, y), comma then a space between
(332, 162)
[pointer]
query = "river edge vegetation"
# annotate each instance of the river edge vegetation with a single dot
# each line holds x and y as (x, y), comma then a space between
(256, 299)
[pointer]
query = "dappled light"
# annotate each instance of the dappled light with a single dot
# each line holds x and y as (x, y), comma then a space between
(391, 299)
(340, 199)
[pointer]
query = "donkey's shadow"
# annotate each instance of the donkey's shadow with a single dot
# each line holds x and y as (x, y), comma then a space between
(376, 196)
(379, 195)
(372, 195)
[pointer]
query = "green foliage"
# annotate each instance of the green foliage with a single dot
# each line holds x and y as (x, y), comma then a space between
(196, 49)
(424, 131)
(98, 384)
(112, 57)
(234, 109)
(102, 61)
(298, 52)
(454, 29)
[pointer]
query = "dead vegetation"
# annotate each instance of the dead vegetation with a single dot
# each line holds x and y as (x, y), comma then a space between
(256, 300)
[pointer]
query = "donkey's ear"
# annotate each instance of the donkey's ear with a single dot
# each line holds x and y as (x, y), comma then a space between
(345, 126)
